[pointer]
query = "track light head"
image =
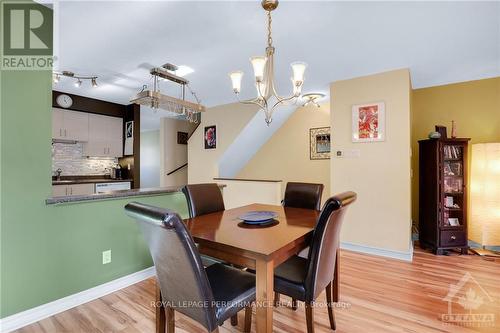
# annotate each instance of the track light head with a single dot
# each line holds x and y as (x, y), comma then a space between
(94, 82)
(78, 83)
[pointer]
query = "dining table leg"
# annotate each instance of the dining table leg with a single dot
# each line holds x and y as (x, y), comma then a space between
(264, 271)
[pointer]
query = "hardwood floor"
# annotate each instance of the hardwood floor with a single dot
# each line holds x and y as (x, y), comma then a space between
(381, 295)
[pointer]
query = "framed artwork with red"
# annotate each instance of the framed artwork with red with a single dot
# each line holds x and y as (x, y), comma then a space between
(210, 137)
(368, 122)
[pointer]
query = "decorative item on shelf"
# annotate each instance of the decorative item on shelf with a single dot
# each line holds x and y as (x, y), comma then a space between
(453, 129)
(453, 222)
(368, 122)
(319, 139)
(267, 98)
(182, 138)
(485, 197)
(210, 137)
(441, 130)
(56, 77)
(312, 99)
(178, 106)
(434, 135)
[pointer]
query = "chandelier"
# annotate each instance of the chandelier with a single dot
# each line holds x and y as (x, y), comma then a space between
(263, 66)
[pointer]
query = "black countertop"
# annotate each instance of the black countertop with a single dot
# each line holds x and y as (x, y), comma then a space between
(116, 194)
(113, 195)
(68, 180)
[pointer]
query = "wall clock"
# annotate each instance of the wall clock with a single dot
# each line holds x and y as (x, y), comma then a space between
(64, 101)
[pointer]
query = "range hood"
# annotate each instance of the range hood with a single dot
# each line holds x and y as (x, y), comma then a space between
(155, 99)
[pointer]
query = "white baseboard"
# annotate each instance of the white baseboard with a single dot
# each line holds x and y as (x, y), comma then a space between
(406, 256)
(43, 311)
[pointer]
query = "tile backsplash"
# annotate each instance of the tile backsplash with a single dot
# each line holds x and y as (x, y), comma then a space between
(69, 157)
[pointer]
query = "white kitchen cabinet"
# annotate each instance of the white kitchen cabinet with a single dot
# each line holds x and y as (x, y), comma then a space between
(105, 136)
(59, 190)
(72, 189)
(70, 125)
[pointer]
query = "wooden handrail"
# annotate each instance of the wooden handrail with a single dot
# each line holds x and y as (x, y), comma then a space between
(177, 169)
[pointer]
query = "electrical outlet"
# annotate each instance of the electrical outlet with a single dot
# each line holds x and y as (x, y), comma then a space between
(106, 257)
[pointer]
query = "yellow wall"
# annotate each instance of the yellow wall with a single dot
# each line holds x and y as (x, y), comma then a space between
(381, 217)
(475, 107)
(286, 155)
(230, 120)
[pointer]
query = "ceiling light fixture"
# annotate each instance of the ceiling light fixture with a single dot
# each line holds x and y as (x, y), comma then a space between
(312, 99)
(263, 66)
(156, 100)
(57, 76)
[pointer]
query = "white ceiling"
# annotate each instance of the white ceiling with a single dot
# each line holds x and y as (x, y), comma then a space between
(441, 42)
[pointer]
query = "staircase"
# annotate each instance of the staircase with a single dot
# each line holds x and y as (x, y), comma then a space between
(253, 136)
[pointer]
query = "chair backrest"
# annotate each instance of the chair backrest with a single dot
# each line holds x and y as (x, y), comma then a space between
(325, 243)
(303, 195)
(203, 199)
(178, 265)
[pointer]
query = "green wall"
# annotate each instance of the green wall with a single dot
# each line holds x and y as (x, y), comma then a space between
(49, 252)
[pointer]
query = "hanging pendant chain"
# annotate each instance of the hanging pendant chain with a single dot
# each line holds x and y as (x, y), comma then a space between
(269, 31)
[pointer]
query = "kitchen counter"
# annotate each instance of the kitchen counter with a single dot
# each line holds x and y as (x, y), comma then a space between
(86, 180)
(116, 194)
(113, 194)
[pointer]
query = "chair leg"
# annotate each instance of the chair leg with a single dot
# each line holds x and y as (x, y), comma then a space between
(170, 314)
(276, 299)
(329, 302)
(248, 319)
(310, 317)
(294, 304)
(234, 320)
(336, 277)
(160, 312)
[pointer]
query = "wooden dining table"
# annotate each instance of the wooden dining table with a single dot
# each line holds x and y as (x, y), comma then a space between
(224, 236)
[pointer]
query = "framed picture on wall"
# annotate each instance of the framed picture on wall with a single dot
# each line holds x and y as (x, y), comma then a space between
(319, 140)
(210, 137)
(368, 122)
(182, 138)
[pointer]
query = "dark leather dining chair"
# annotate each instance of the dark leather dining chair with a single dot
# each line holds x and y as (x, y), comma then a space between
(203, 199)
(216, 293)
(303, 195)
(304, 279)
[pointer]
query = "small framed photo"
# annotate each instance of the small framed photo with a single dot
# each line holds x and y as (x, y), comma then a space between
(319, 139)
(129, 129)
(453, 221)
(182, 138)
(210, 137)
(368, 122)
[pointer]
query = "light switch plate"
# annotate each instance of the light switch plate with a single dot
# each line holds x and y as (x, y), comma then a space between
(106, 257)
(347, 153)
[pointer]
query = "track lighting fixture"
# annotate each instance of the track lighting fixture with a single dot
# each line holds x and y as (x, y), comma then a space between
(57, 76)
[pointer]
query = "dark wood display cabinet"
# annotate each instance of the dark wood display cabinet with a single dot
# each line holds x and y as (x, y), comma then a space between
(443, 194)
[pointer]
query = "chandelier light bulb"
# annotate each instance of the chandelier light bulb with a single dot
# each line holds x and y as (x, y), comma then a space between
(298, 69)
(78, 83)
(258, 63)
(236, 77)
